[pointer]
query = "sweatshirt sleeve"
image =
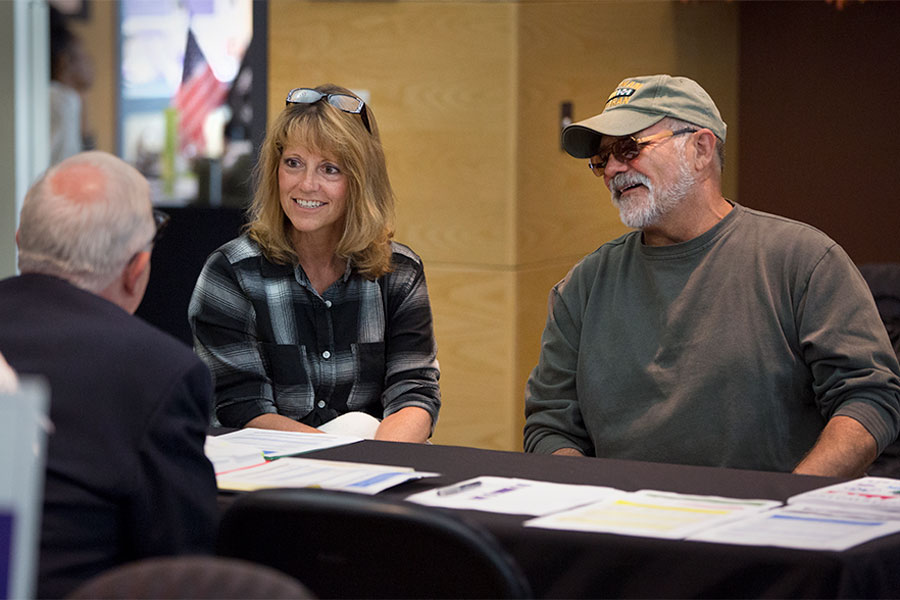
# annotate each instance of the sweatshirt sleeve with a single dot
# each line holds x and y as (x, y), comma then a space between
(553, 418)
(855, 371)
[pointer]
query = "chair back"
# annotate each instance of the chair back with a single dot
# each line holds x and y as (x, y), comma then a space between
(196, 577)
(884, 282)
(344, 545)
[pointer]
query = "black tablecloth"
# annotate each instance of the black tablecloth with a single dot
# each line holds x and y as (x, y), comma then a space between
(568, 564)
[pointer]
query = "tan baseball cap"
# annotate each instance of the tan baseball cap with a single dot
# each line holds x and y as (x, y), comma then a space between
(638, 103)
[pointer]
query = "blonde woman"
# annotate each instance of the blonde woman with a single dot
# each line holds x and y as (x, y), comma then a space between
(314, 313)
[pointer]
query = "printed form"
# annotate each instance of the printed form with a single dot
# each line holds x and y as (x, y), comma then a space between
(651, 513)
(793, 528)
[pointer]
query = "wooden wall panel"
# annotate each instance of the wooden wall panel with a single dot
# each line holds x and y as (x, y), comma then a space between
(475, 328)
(439, 77)
(533, 285)
(578, 52)
(100, 104)
(707, 48)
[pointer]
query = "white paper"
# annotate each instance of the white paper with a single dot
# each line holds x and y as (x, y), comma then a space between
(275, 444)
(512, 496)
(736, 506)
(873, 497)
(227, 456)
(791, 528)
(326, 474)
(650, 513)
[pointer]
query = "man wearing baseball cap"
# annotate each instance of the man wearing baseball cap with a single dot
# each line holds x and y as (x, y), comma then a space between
(713, 334)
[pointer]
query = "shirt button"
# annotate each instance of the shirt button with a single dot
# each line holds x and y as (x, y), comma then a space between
(320, 404)
(326, 354)
(328, 304)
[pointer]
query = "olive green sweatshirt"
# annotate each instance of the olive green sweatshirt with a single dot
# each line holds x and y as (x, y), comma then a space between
(732, 349)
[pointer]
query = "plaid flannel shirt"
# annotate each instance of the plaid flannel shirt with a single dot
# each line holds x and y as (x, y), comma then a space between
(274, 345)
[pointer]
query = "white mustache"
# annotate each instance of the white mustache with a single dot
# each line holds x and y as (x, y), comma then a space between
(627, 179)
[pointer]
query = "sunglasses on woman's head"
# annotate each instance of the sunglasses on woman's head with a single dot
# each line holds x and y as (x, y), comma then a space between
(628, 148)
(344, 102)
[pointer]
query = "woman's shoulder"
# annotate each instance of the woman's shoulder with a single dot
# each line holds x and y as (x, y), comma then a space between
(240, 258)
(406, 269)
(238, 249)
(402, 255)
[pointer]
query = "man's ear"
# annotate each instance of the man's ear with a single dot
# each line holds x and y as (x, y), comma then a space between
(133, 271)
(705, 147)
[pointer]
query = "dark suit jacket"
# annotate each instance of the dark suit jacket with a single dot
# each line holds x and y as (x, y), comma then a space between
(126, 475)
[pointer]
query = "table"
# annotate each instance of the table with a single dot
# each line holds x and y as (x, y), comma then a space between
(568, 564)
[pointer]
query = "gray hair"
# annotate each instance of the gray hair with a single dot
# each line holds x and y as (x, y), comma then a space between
(674, 124)
(84, 219)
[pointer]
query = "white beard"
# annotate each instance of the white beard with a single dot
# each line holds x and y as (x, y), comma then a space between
(639, 211)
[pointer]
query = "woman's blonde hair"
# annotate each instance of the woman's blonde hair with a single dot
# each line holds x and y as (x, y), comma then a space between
(369, 222)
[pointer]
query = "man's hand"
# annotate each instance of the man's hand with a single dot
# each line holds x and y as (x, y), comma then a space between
(844, 449)
(569, 452)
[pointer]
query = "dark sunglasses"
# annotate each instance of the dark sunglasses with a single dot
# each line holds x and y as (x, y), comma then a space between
(628, 148)
(344, 102)
(160, 219)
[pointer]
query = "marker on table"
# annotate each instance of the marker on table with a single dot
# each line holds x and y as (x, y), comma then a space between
(455, 489)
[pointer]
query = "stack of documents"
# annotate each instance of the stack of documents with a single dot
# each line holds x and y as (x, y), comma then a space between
(788, 527)
(835, 517)
(875, 497)
(275, 444)
(832, 518)
(252, 459)
(360, 478)
(227, 456)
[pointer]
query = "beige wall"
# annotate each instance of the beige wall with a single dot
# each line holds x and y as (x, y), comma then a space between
(467, 98)
(98, 34)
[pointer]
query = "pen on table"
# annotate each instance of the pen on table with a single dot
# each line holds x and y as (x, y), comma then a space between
(455, 489)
